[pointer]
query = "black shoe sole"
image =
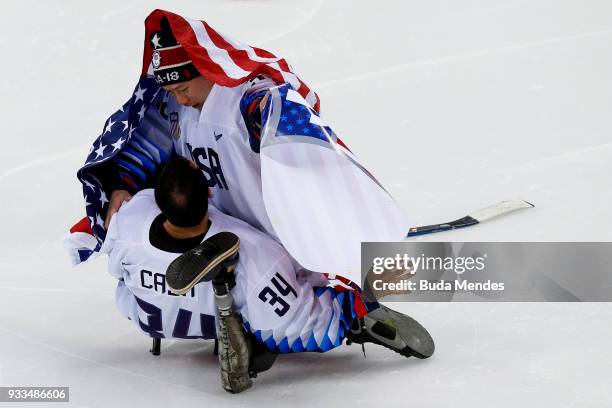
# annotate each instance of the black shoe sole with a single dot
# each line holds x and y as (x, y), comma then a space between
(203, 263)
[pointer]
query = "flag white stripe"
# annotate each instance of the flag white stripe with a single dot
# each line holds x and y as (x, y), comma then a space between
(249, 50)
(287, 76)
(311, 98)
(218, 55)
(275, 66)
(292, 79)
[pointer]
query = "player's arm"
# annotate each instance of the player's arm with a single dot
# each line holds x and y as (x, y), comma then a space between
(117, 184)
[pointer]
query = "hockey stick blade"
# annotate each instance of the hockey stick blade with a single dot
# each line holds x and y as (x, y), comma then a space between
(474, 218)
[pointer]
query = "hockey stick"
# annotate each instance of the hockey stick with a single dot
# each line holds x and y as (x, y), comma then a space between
(476, 217)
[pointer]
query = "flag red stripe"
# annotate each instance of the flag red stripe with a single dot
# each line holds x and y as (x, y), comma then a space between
(82, 226)
(341, 143)
(263, 53)
(284, 65)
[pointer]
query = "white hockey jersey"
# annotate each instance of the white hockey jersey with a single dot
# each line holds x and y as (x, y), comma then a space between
(278, 303)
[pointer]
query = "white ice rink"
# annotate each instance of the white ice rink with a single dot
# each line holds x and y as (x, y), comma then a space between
(453, 105)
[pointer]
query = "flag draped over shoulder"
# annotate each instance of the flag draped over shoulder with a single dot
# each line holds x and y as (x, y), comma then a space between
(87, 235)
(322, 202)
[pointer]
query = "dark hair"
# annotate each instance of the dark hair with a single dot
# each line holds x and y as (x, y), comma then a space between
(181, 193)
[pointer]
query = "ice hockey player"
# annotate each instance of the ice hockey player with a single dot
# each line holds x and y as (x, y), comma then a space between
(196, 108)
(282, 307)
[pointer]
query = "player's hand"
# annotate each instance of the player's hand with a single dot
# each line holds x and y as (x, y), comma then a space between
(118, 197)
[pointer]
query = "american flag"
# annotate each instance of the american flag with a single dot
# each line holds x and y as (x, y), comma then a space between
(225, 61)
(221, 59)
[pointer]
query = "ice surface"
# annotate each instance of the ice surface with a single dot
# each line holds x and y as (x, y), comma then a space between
(454, 105)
